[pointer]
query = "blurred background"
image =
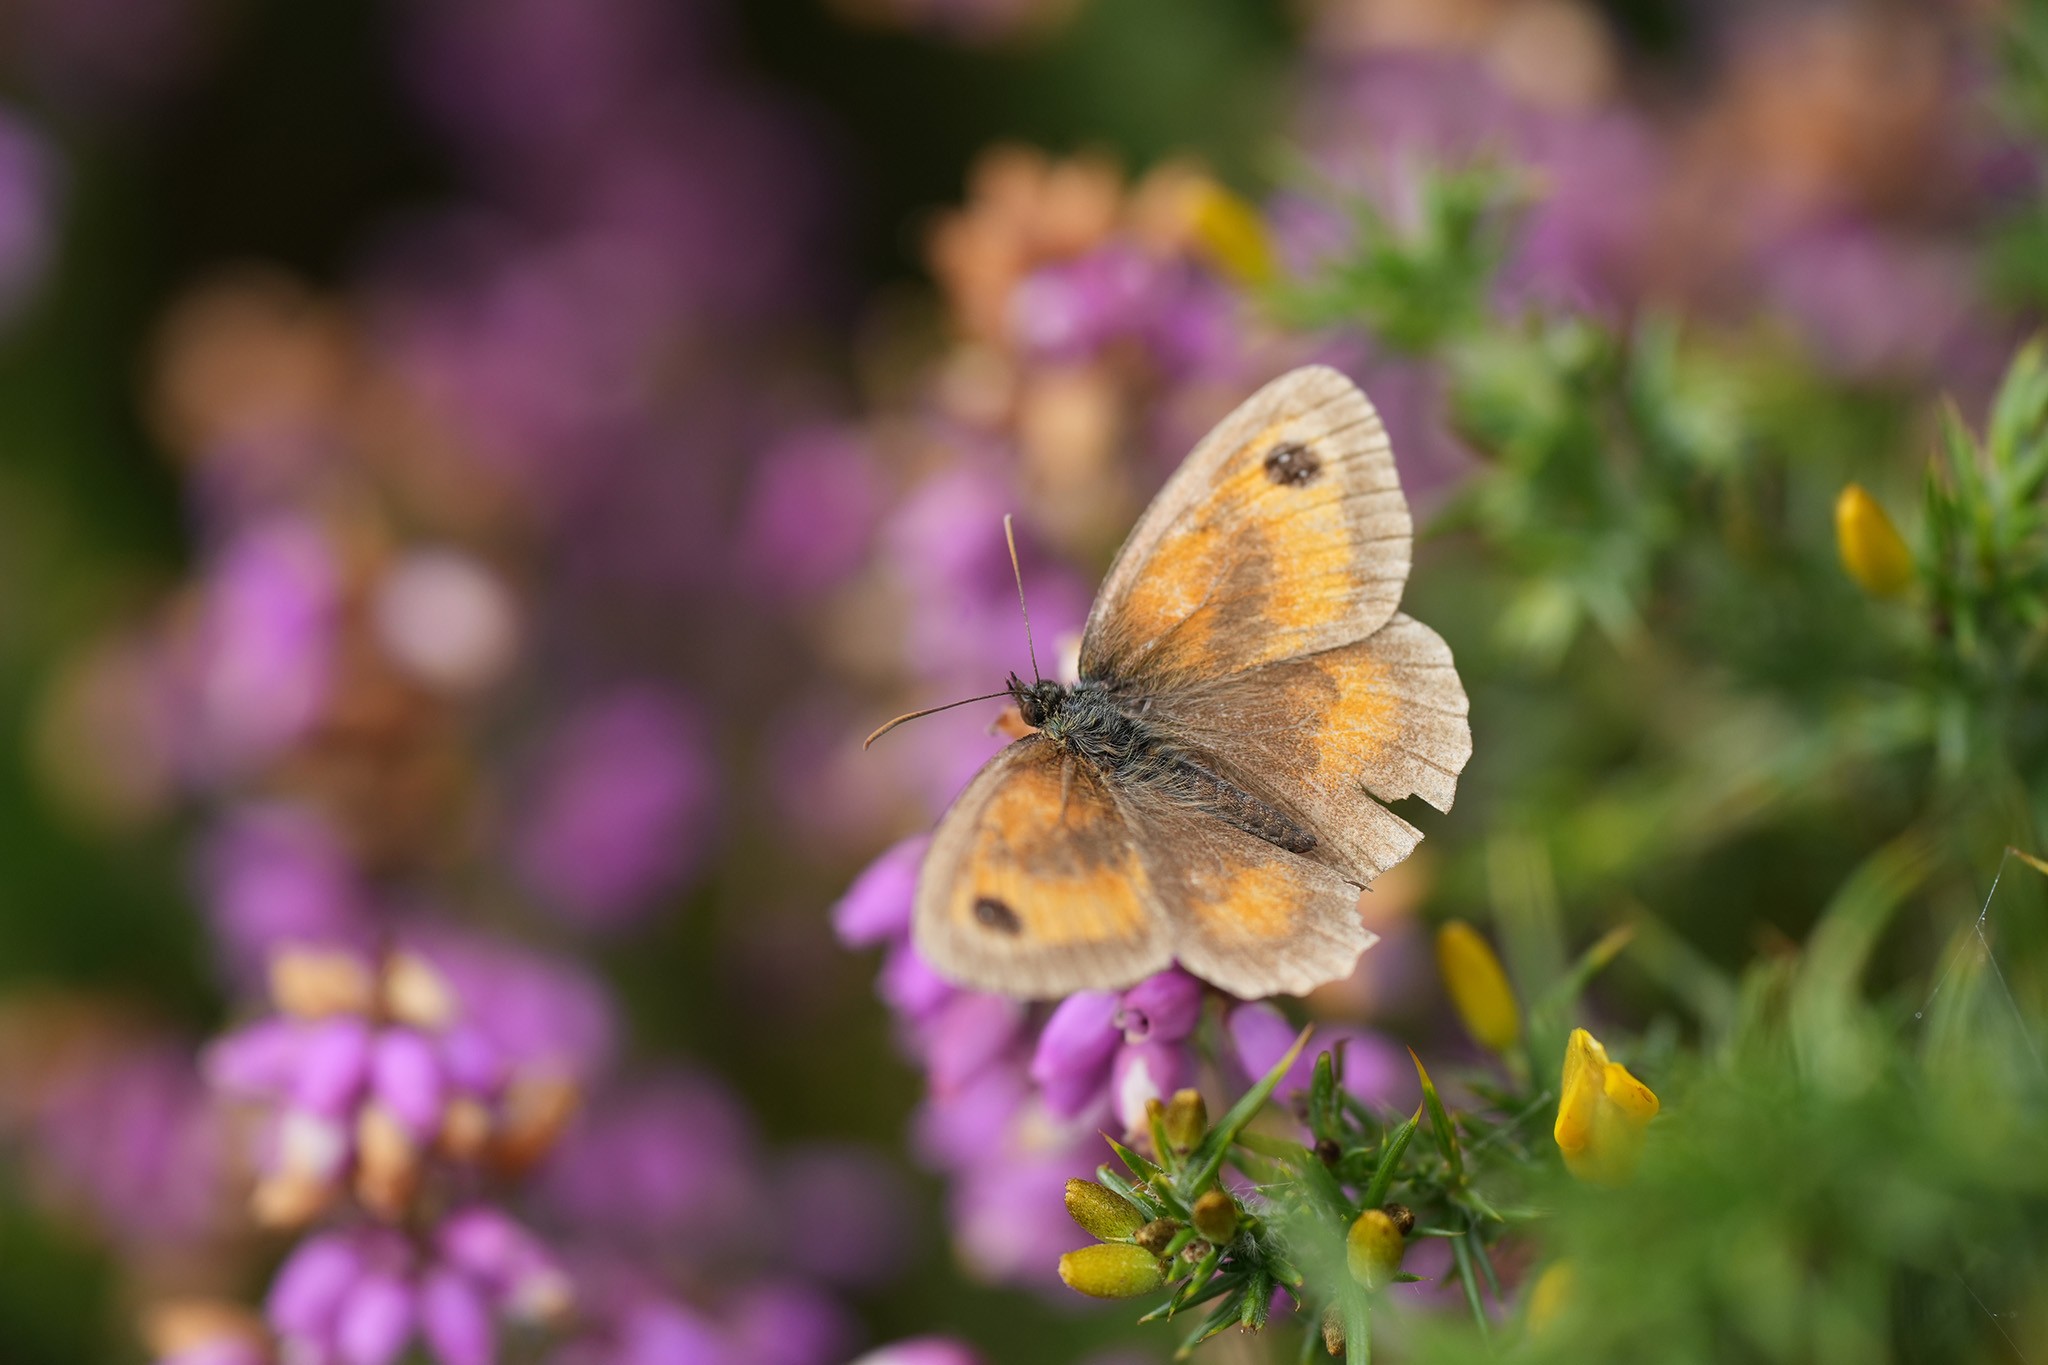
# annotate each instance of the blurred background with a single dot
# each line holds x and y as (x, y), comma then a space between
(471, 472)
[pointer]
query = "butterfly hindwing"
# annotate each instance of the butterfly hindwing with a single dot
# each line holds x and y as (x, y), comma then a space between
(1244, 914)
(1035, 885)
(1324, 735)
(1284, 533)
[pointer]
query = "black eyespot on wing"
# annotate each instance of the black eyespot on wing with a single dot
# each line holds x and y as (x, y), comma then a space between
(991, 913)
(1292, 464)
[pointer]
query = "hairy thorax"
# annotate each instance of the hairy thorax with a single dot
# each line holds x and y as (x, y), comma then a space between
(1090, 722)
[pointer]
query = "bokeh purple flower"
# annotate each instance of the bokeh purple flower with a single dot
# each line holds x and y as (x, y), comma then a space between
(622, 808)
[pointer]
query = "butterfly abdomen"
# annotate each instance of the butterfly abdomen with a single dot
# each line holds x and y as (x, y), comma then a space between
(1127, 750)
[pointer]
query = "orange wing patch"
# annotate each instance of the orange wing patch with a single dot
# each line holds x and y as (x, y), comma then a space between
(1053, 866)
(1284, 533)
(1249, 916)
(1269, 565)
(1034, 884)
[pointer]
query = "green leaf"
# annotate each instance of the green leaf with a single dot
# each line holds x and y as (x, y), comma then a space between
(1322, 1098)
(1206, 1160)
(1111, 1180)
(1589, 965)
(1357, 1326)
(1390, 1157)
(1155, 1120)
(1225, 1314)
(1439, 1121)
(1461, 1251)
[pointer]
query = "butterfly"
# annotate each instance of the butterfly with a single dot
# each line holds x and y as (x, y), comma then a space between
(1212, 790)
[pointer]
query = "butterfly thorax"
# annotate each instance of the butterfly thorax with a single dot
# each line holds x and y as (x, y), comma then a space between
(1089, 721)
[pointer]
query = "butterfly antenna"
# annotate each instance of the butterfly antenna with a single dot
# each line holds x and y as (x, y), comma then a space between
(929, 710)
(1010, 535)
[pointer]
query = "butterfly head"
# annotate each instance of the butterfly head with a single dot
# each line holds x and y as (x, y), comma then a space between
(1037, 702)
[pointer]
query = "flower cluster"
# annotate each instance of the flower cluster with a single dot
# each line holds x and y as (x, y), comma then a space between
(370, 1071)
(1017, 1093)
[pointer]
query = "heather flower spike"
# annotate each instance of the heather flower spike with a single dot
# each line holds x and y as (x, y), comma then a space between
(1601, 1114)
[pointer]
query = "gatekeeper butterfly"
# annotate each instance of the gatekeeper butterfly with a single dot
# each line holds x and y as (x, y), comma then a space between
(1211, 790)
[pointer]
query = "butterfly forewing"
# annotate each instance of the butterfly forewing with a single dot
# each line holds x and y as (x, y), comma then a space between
(1034, 885)
(1284, 533)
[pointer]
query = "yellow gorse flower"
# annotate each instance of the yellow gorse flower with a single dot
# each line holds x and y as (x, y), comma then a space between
(1872, 550)
(1549, 1296)
(1601, 1113)
(1229, 231)
(1479, 988)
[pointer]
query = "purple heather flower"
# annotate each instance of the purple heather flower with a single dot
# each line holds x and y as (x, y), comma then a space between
(815, 499)
(455, 1020)
(307, 1294)
(1262, 1035)
(265, 641)
(1873, 305)
(923, 1351)
(1076, 1049)
(967, 1033)
(375, 1320)
(668, 1158)
(944, 543)
(970, 1124)
(1181, 314)
(668, 1334)
(456, 1320)
(361, 1296)
(784, 1322)
(1163, 1008)
(538, 1013)
(1009, 1222)
(876, 908)
(273, 875)
(332, 1066)
(621, 817)
(132, 1136)
(1146, 1072)
(409, 1080)
(910, 987)
(1375, 1070)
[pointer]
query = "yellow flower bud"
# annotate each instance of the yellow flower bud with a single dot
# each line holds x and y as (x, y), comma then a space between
(1479, 988)
(1872, 550)
(1111, 1270)
(1373, 1248)
(1549, 1296)
(1102, 1213)
(1215, 1217)
(1230, 233)
(1187, 1120)
(1155, 1235)
(1601, 1113)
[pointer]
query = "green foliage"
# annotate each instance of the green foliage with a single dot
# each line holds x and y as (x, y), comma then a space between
(1701, 727)
(1833, 1180)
